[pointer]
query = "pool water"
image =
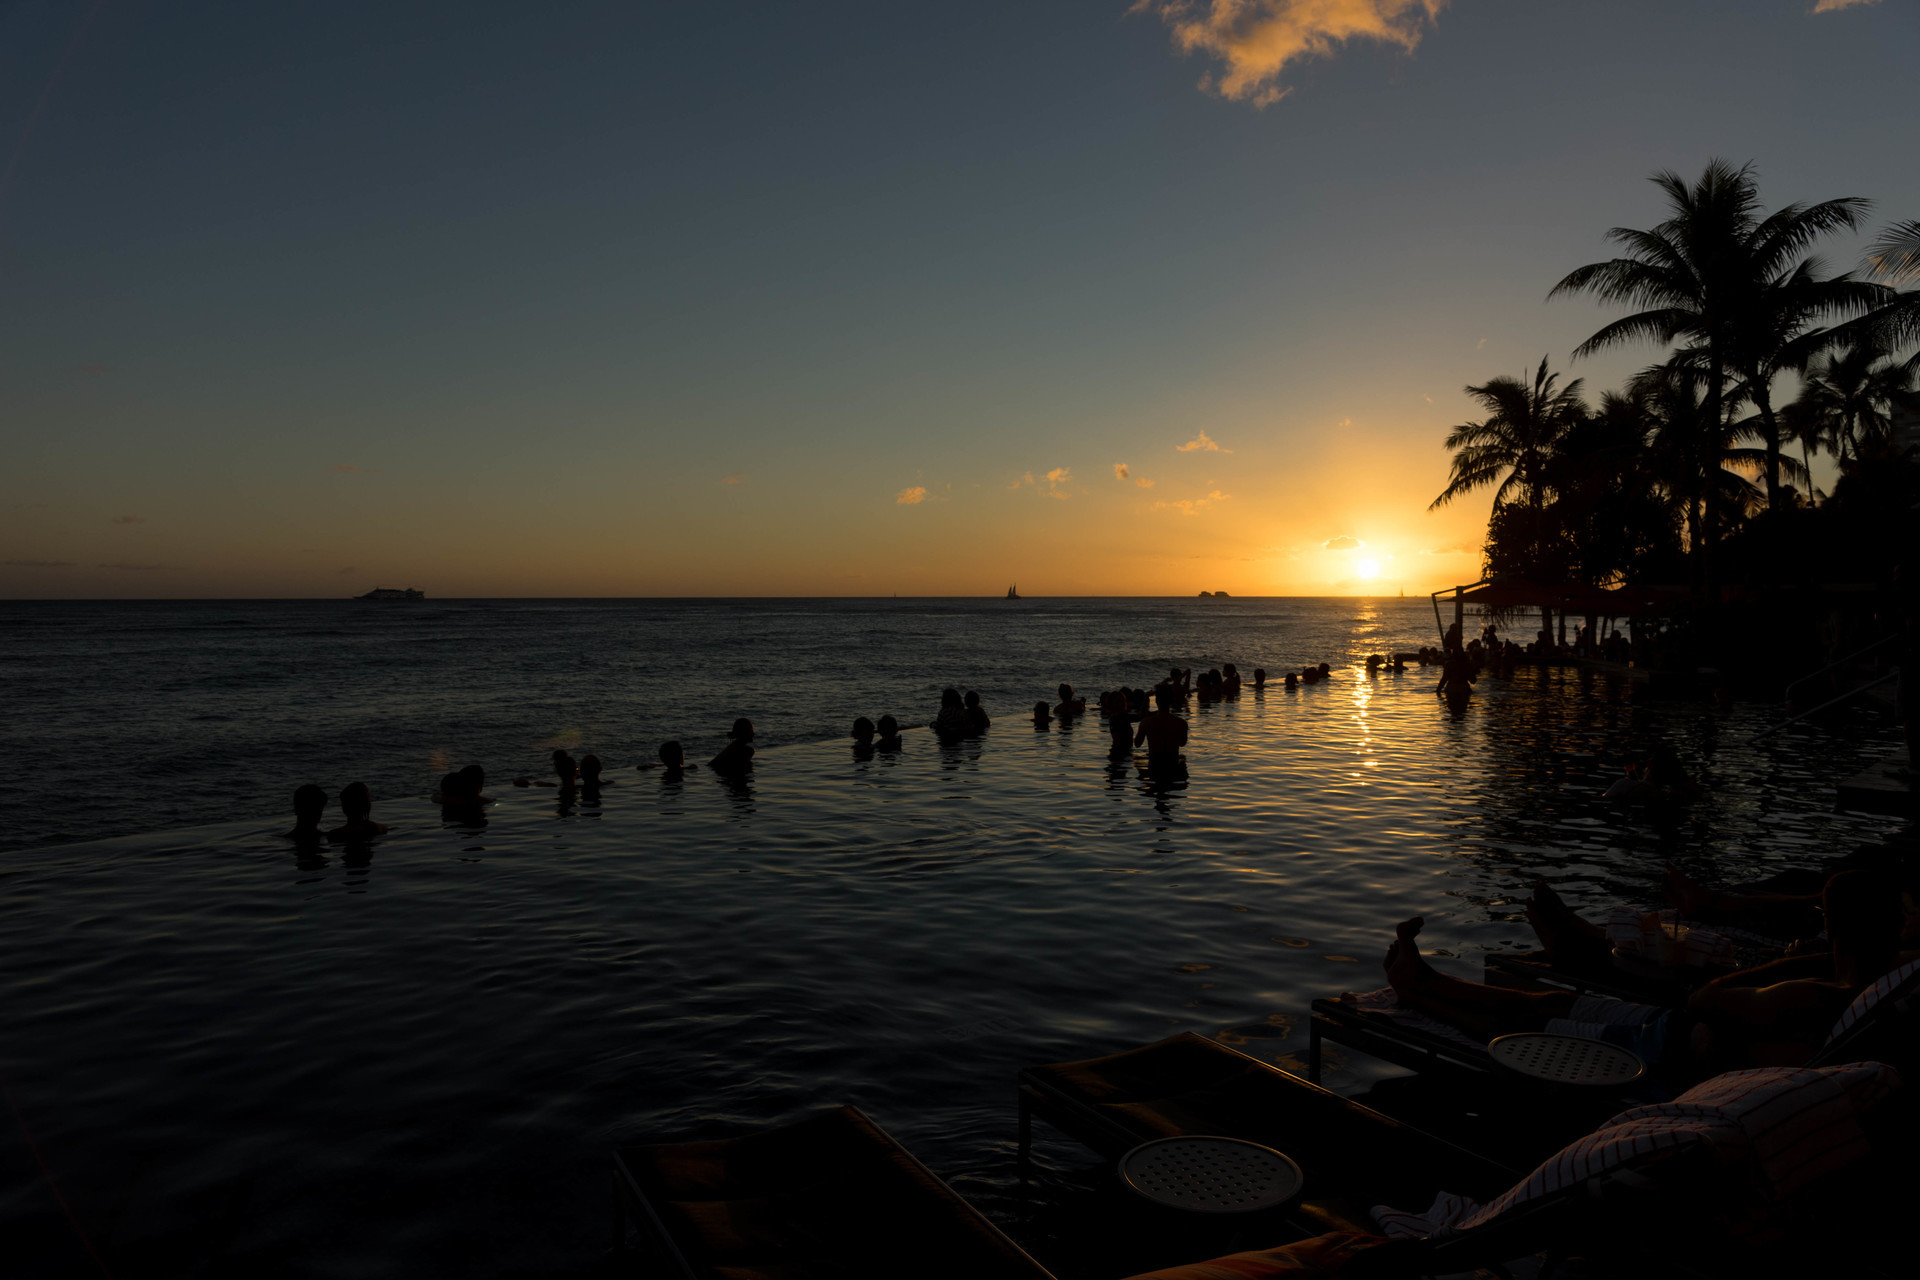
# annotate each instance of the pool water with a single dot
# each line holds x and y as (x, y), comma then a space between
(418, 1060)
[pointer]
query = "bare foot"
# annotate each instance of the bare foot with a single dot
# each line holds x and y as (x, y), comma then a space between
(1566, 937)
(1406, 971)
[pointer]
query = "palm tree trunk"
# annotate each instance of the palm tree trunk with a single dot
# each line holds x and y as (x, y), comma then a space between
(1769, 436)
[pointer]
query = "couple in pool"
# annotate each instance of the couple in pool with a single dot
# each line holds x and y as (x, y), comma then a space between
(356, 805)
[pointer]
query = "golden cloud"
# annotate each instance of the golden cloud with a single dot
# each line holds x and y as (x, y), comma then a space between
(1255, 40)
(1834, 6)
(1192, 506)
(1144, 483)
(735, 478)
(1120, 471)
(1057, 480)
(1201, 444)
(909, 497)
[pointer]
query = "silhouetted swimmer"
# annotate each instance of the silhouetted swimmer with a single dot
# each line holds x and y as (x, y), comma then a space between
(863, 732)
(1164, 734)
(889, 739)
(590, 783)
(309, 803)
(1456, 678)
(356, 805)
(1042, 714)
(1119, 725)
(1326, 672)
(951, 722)
(1070, 706)
(1230, 681)
(736, 758)
(1293, 681)
(1259, 677)
(977, 717)
(672, 759)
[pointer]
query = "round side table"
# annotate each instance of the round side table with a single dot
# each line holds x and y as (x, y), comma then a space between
(1563, 1059)
(1210, 1175)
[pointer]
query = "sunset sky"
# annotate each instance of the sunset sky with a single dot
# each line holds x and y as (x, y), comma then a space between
(297, 299)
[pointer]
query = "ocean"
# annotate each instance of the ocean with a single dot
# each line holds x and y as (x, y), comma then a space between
(233, 1055)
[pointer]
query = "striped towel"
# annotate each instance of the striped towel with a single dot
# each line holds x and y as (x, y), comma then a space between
(1874, 994)
(1777, 1129)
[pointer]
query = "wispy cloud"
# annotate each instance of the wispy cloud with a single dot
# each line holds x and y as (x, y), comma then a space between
(1341, 543)
(1458, 549)
(911, 497)
(1192, 506)
(364, 471)
(1480, 345)
(1143, 482)
(735, 478)
(1834, 6)
(1201, 444)
(1057, 481)
(1344, 422)
(1254, 41)
(1120, 471)
(41, 564)
(129, 520)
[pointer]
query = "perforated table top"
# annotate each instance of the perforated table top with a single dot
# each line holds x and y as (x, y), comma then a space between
(1210, 1175)
(1563, 1059)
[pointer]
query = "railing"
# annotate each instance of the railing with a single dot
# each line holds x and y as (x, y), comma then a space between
(1833, 702)
(1836, 665)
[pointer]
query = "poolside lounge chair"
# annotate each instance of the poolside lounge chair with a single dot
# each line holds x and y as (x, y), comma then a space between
(1187, 1084)
(1748, 1174)
(832, 1195)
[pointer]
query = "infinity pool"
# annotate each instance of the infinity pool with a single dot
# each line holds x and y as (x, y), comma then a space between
(417, 1062)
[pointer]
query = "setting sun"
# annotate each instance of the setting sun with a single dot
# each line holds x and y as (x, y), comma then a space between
(1368, 568)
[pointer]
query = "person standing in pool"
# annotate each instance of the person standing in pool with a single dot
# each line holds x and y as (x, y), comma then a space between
(356, 804)
(1070, 706)
(1042, 715)
(951, 722)
(590, 778)
(309, 803)
(1163, 733)
(736, 758)
(977, 718)
(889, 731)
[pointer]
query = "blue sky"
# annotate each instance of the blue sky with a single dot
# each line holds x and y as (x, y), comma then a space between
(618, 299)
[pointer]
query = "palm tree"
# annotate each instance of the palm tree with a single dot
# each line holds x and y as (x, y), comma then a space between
(1696, 453)
(1722, 280)
(1511, 446)
(1895, 258)
(1849, 397)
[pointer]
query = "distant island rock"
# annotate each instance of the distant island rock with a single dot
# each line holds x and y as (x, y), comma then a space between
(1215, 595)
(393, 593)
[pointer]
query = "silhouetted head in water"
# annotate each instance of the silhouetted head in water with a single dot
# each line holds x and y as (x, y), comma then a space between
(356, 805)
(1293, 680)
(564, 768)
(1325, 671)
(672, 756)
(1042, 713)
(1259, 676)
(972, 699)
(590, 771)
(889, 729)
(309, 802)
(1065, 691)
(950, 697)
(742, 730)
(476, 781)
(863, 730)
